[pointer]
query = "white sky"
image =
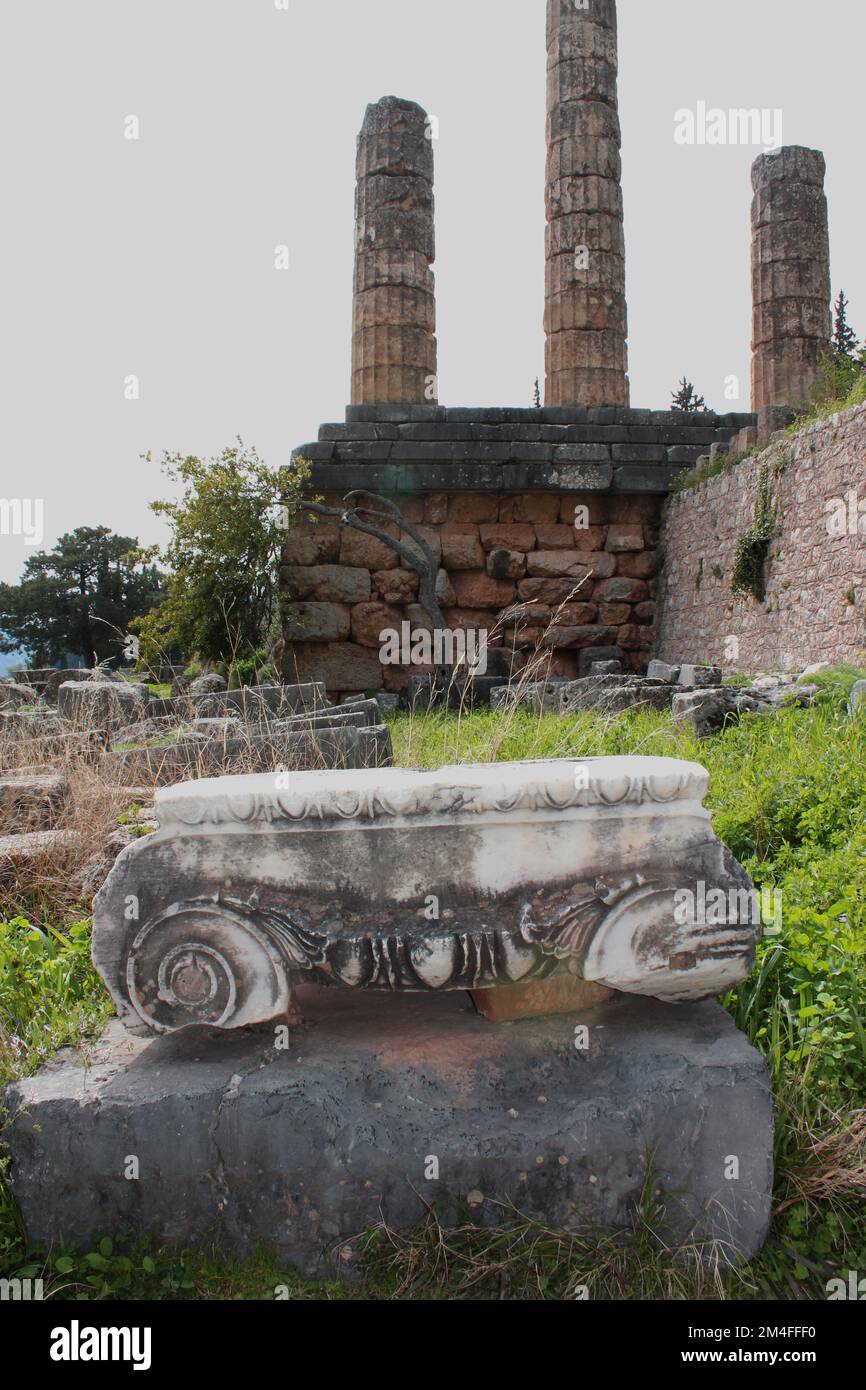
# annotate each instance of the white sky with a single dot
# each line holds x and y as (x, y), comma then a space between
(156, 257)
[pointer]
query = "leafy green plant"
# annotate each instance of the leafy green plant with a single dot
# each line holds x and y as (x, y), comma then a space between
(749, 572)
(50, 995)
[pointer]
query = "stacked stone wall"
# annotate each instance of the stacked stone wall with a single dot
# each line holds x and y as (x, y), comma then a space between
(512, 565)
(815, 604)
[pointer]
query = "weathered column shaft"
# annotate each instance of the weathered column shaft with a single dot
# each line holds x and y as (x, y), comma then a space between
(586, 358)
(791, 316)
(394, 308)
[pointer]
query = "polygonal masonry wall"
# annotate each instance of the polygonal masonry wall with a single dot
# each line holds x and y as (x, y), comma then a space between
(466, 878)
(544, 523)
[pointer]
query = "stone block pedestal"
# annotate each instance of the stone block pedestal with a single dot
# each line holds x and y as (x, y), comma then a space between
(239, 1142)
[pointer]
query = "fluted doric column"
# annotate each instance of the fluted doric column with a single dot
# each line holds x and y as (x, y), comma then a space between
(394, 308)
(586, 358)
(791, 315)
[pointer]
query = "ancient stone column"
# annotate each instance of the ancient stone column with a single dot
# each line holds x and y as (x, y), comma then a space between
(586, 359)
(394, 309)
(791, 316)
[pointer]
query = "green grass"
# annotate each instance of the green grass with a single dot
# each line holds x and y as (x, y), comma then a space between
(788, 795)
(822, 410)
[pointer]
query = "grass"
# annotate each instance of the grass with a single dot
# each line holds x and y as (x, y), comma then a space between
(823, 410)
(788, 797)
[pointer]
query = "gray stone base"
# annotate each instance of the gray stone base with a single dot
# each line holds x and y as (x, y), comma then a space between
(238, 1142)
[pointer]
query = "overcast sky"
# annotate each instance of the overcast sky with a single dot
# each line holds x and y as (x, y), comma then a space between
(155, 257)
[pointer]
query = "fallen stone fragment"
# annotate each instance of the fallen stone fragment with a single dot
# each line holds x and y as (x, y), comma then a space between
(251, 702)
(614, 694)
(537, 869)
(13, 695)
(662, 671)
(21, 852)
(337, 743)
(542, 695)
(387, 701)
(207, 685)
(709, 710)
(102, 704)
(32, 803)
(700, 677)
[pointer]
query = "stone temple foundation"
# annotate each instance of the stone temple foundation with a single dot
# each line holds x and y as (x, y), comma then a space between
(526, 510)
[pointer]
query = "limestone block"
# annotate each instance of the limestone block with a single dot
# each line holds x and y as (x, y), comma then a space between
(516, 536)
(621, 539)
(22, 853)
(241, 1145)
(13, 695)
(370, 620)
(480, 591)
(329, 583)
(614, 694)
(288, 745)
(557, 537)
(209, 684)
(461, 547)
(360, 551)
(662, 671)
(700, 677)
(552, 591)
(315, 622)
(101, 704)
(529, 506)
(313, 545)
(396, 585)
(577, 564)
(343, 666)
(622, 590)
(593, 635)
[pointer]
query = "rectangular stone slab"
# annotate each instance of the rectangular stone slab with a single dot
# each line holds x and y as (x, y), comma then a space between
(239, 1142)
(392, 879)
(337, 743)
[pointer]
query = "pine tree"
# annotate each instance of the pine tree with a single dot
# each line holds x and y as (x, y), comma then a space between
(536, 395)
(844, 337)
(686, 399)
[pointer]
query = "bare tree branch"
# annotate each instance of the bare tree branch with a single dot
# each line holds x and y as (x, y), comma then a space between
(418, 557)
